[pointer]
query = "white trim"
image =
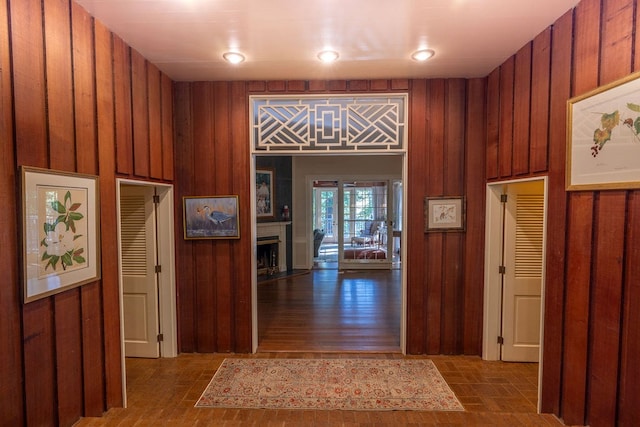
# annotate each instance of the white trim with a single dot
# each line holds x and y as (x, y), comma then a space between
(166, 281)
(493, 255)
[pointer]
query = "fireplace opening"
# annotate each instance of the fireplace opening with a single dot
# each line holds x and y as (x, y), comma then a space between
(267, 255)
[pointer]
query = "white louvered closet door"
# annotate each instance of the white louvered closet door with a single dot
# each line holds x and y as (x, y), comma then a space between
(140, 292)
(523, 260)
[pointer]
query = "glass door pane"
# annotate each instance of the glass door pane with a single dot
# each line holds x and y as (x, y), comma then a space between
(325, 200)
(364, 224)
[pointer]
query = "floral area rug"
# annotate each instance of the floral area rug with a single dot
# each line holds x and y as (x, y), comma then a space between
(348, 384)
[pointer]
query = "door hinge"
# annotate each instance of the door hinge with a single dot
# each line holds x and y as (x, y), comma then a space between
(502, 269)
(158, 269)
(500, 340)
(503, 198)
(156, 199)
(160, 337)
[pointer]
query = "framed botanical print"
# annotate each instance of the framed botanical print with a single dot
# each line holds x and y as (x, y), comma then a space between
(444, 214)
(60, 231)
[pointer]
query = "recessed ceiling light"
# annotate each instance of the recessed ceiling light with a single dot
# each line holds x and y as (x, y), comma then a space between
(233, 57)
(422, 55)
(328, 55)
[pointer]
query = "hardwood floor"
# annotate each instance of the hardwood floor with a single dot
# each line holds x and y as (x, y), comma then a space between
(327, 314)
(328, 310)
(163, 392)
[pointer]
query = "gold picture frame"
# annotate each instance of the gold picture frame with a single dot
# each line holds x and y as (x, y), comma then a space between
(60, 231)
(603, 137)
(211, 217)
(265, 196)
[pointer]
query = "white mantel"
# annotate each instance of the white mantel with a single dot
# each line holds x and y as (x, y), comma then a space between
(278, 228)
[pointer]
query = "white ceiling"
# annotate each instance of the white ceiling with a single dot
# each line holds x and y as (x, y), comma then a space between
(281, 38)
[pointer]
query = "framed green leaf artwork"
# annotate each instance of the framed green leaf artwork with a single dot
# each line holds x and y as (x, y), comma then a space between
(603, 137)
(60, 231)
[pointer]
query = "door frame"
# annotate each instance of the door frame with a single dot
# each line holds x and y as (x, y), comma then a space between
(166, 280)
(492, 315)
(309, 186)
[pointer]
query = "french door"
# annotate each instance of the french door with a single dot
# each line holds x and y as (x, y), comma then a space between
(365, 217)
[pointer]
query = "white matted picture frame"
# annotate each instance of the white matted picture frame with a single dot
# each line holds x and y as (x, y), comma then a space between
(60, 231)
(444, 213)
(603, 137)
(265, 197)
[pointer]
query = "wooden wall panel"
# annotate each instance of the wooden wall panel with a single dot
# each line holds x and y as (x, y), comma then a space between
(62, 357)
(11, 386)
(629, 394)
(106, 97)
(223, 249)
(437, 294)
(522, 110)
(505, 138)
(615, 62)
(154, 100)
(415, 251)
(476, 119)
(493, 124)
(184, 250)
(140, 104)
(31, 149)
(454, 175)
(606, 308)
(203, 169)
(123, 110)
(540, 77)
(84, 91)
(242, 248)
(28, 83)
(59, 84)
(560, 81)
(166, 93)
(435, 187)
(68, 345)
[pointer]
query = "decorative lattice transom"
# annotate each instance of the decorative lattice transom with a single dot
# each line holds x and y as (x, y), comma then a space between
(334, 123)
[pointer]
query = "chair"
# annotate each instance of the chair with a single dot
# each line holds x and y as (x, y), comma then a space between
(318, 236)
(368, 234)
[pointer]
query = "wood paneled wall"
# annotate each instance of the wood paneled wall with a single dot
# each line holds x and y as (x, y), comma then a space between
(592, 295)
(66, 105)
(446, 152)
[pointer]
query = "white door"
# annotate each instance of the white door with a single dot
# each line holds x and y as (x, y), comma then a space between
(139, 282)
(523, 262)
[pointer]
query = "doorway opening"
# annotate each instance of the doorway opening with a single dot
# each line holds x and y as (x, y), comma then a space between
(356, 222)
(334, 198)
(146, 242)
(515, 246)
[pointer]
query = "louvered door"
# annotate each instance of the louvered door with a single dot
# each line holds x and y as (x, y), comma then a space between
(522, 286)
(140, 292)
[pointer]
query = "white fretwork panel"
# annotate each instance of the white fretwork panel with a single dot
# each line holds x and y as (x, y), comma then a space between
(328, 123)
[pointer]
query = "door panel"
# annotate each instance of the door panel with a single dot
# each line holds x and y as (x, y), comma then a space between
(140, 292)
(364, 218)
(522, 281)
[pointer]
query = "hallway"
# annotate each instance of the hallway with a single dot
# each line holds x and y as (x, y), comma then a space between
(329, 310)
(164, 392)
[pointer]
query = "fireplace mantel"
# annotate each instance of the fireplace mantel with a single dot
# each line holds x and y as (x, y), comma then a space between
(277, 228)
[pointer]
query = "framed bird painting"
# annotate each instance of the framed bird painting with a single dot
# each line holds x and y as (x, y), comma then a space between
(210, 217)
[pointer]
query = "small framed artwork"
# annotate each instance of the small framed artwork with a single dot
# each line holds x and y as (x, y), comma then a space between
(603, 137)
(60, 231)
(211, 217)
(265, 198)
(444, 213)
